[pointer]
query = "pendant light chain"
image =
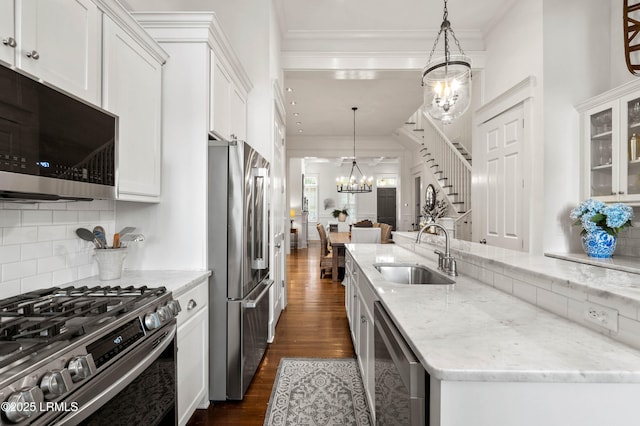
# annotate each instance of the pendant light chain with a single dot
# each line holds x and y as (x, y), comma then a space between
(354, 133)
(349, 184)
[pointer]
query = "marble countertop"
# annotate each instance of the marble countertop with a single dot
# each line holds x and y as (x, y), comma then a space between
(473, 332)
(589, 278)
(177, 282)
(617, 262)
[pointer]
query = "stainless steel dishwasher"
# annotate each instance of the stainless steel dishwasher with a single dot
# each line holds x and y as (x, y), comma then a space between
(401, 392)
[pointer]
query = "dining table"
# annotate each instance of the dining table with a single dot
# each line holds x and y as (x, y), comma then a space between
(337, 240)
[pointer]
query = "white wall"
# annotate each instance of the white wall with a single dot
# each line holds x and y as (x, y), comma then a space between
(176, 228)
(566, 47)
(576, 66)
(39, 247)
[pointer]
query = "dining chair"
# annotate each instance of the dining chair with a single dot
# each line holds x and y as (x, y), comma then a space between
(326, 260)
(365, 235)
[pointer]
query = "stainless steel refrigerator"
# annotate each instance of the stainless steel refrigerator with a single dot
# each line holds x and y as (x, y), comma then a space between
(238, 256)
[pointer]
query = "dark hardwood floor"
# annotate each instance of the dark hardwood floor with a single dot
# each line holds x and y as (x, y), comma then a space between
(314, 325)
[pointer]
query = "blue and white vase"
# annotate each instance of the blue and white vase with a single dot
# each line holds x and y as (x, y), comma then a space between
(599, 244)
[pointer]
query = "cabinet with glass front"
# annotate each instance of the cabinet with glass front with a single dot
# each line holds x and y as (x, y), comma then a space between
(611, 149)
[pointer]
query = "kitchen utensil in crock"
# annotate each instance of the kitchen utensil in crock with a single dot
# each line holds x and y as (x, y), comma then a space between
(87, 235)
(99, 233)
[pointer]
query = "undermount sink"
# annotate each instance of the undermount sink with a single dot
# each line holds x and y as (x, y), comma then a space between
(406, 273)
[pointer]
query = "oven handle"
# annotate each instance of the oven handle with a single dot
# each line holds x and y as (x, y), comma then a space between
(99, 400)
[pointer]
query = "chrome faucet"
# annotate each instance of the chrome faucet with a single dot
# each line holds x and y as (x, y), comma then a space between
(446, 262)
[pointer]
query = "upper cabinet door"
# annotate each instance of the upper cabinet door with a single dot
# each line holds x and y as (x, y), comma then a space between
(7, 32)
(221, 86)
(132, 90)
(59, 42)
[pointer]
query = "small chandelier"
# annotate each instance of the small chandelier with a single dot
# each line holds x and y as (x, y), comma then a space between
(447, 80)
(352, 185)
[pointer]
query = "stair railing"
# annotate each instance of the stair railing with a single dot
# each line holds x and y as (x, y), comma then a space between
(449, 166)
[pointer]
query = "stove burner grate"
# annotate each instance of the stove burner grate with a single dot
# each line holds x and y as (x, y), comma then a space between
(48, 315)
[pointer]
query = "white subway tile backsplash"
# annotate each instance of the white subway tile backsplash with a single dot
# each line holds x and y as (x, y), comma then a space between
(10, 288)
(552, 302)
(52, 232)
(64, 276)
(65, 217)
(504, 283)
(36, 250)
(39, 246)
(575, 311)
(20, 235)
(565, 290)
(37, 217)
(36, 282)
(623, 308)
(9, 218)
(92, 218)
(10, 253)
(524, 291)
(629, 331)
(16, 270)
(52, 263)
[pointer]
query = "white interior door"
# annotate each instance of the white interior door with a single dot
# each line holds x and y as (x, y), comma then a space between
(501, 198)
(279, 292)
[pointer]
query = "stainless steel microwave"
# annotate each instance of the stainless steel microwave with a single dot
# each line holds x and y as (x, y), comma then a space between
(53, 146)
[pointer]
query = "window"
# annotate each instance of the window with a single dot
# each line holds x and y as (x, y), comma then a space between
(311, 195)
(386, 182)
(347, 201)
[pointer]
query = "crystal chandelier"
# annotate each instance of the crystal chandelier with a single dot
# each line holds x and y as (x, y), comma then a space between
(352, 185)
(447, 79)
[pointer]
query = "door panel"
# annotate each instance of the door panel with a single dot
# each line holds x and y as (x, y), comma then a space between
(501, 165)
(387, 206)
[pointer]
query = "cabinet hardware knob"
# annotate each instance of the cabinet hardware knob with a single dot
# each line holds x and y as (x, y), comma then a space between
(483, 241)
(9, 41)
(33, 55)
(363, 319)
(620, 192)
(191, 305)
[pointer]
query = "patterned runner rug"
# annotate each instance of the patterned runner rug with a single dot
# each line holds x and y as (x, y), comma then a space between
(314, 392)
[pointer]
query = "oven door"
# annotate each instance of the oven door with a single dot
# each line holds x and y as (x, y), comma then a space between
(139, 389)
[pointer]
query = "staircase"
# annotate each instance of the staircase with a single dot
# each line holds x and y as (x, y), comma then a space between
(450, 163)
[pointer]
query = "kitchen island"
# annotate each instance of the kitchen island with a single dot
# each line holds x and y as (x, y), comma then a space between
(496, 359)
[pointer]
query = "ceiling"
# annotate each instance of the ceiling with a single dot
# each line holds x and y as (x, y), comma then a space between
(385, 96)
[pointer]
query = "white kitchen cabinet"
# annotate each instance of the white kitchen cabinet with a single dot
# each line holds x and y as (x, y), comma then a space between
(57, 41)
(7, 33)
(361, 323)
(611, 160)
(228, 110)
(193, 351)
(132, 91)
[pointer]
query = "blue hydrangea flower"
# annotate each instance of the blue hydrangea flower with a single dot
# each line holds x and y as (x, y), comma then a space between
(612, 218)
(617, 215)
(587, 223)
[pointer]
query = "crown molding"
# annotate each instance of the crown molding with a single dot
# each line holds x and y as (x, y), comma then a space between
(195, 27)
(303, 60)
(131, 26)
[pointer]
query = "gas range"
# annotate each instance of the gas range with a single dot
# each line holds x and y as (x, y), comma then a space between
(55, 341)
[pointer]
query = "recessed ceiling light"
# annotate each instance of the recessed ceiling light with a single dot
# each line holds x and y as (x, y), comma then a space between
(298, 123)
(289, 89)
(299, 130)
(292, 102)
(295, 114)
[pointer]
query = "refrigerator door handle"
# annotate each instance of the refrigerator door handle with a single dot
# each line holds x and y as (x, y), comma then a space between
(251, 304)
(259, 219)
